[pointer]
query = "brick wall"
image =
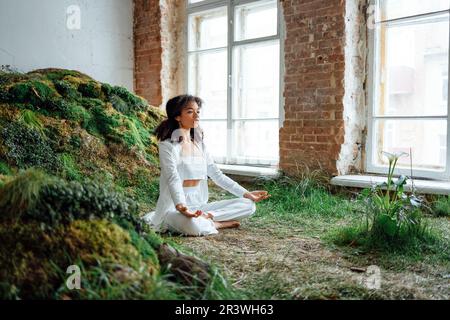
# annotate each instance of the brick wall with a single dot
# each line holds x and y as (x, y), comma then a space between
(147, 50)
(313, 130)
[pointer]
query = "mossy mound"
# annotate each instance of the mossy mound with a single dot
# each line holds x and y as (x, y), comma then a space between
(34, 261)
(72, 126)
(48, 224)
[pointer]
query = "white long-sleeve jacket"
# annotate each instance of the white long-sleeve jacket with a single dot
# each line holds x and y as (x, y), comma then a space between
(171, 184)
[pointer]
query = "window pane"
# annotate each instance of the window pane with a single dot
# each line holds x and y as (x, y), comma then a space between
(415, 68)
(392, 9)
(254, 20)
(208, 80)
(215, 138)
(208, 29)
(256, 80)
(426, 138)
(255, 141)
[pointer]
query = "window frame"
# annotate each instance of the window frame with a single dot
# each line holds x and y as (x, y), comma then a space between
(372, 76)
(231, 44)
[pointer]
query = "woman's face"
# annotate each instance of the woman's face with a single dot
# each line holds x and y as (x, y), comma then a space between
(190, 116)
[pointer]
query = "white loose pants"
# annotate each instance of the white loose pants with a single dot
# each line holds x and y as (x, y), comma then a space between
(224, 210)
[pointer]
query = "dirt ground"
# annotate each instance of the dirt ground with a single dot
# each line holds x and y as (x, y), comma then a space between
(265, 263)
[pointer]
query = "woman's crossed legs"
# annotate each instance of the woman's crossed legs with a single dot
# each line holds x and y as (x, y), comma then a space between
(226, 214)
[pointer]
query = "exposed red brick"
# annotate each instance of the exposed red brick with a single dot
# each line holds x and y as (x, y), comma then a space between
(147, 50)
(314, 73)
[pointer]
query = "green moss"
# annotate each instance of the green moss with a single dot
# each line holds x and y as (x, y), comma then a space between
(70, 168)
(119, 104)
(144, 247)
(132, 136)
(25, 256)
(77, 113)
(30, 119)
(27, 148)
(21, 194)
(37, 93)
(141, 186)
(8, 76)
(62, 202)
(75, 142)
(58, 74)
(102, 122)
(441, 207)
(123, 100)
(4, 94)
(4, 168)
(91, 240)
(91, 89)
(31, 258)
(67, 90)
(146, 187)
(106, 89)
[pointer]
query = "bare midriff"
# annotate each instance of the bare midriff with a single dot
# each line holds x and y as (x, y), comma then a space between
(190, 183)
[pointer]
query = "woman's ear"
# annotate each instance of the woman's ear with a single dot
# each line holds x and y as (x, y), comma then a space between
(178, 118)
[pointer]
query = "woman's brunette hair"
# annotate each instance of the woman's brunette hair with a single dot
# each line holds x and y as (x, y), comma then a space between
(173, 109)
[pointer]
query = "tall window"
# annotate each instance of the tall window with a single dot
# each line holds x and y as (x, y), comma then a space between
(234, 64)
(409, 46)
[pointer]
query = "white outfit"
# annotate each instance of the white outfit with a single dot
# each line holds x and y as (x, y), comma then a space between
(175, 168)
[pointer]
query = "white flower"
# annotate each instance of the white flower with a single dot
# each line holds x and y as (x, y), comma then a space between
(394, 156)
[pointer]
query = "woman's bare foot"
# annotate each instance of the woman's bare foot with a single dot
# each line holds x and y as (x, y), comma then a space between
(226, 224)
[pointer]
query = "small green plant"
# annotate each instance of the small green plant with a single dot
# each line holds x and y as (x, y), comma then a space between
(392, 217)
(389, 200)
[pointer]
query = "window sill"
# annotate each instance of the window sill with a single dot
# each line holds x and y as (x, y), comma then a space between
(366, 181)
(249, 171)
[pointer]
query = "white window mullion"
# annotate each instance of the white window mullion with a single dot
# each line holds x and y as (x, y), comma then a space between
(229, 81)
(448, 112)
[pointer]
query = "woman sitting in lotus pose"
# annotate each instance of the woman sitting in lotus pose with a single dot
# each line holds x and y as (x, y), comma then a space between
(185, 167)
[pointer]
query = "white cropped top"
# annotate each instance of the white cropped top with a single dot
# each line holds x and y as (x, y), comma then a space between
(192, 168)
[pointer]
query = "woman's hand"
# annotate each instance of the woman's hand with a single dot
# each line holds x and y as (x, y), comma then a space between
(186, 212)
(257, 195)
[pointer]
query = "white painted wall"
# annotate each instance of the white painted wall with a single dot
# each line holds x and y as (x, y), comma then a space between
(37, 34)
